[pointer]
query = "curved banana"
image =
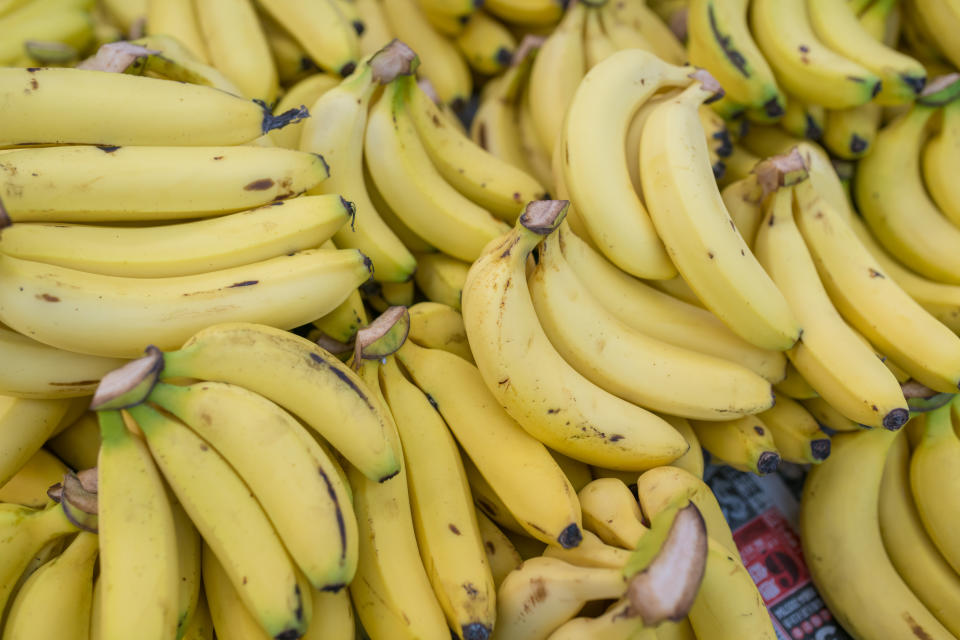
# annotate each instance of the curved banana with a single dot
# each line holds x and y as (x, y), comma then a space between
(746, 444)
(612, 513)
(489, 504)
(305, 92)
(25, 424)
(230, 520)
(443, 512)
(662, 316)
(320, 507)
(342, 323)
(64, 585)
(803, 64)
(563, 589)
(738, 165)
(911, 337)
(29, 485)
(177, 18)
(526, 12)
(66, 308)
(796, 433)
(229, 615)
(79, 443)
(940, 20)
(376, 32)
(616, 623)
(547, 396)
(535, 491)
(438, 326)
(336, 130)
(414, 188)
(840, 496)
(743, 200)
(800, 119)
(502, 556)
(321, 29)
(594, 170)
(138, 545)
(850, 133)
(795, 385)
(93, 184)
(645, 21)
(830, 355)
(200, 626)
(719, 41)
(67, 26)
(188, 248)
(940, 153)
(537, 159)
(627, 362)
(189, 546)
(910, 548)
(692, 460)
(441, 278)
(238, 47)
(486, 43)
(933, 475)
(592, 552)
(333, 616)
(597, 45)
(690, 217)
(120, 109)
(442, 62)
(828, 416)
(488, 181)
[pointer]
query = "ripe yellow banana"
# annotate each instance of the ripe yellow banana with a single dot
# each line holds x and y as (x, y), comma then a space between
(189, 546)
(690, 217)
(415, 189)
(616, 623)
(938, 156)
(828, 416)
(333, 616)
(850, 133)
(305, 92)
(25, 424)
(489, 503)
(592, 552)
(502, 556)
(200, 625)
(612, 513)
(441, 278)
(594, 169)
(93, 184)
(629, 363)
(230, 617)
(188, 248)
(63, 585)
(321, 29)
(537, 159)
(486, 43)
(940, 20)
(337, 130)
(64, 24)
(28, 487)
(443, 513)
(526, 374)
(65, 307)
(830, 355)
(910, 548)
(645, 21)
(796, 433)
(662, 316)
(840, 496)
(376, 32)
(238, 47)
(746, 444)
(535, 491)
(527, 12)
(320, 507)
(79, 443)
(802, 119)
(177, 18)
(230, 520)
(743, 200)
(720, 42)
(120, 109)
(438, 326)
(911, 337)
(597, 45)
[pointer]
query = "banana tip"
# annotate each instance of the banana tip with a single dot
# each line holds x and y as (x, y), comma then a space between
(570, 537)
(768, 462)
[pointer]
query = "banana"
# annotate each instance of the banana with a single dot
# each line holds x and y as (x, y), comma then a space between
(443, 514)
(216, 411)
(25, 424)
(79, 443)
(200, 626)
(663, 317)
(622, 33)
(739, 164)
(796, 433)
(391, 593)
(188, 248)
(912, 338)
(299, 376)
(802, 63)
(940, 153)
(830, 355)
(120, 109)
(678, 288)
(65, 24)
(592, 552)
(592, 150)
(932, 475)
(441, 278)
(642, 19)
(743, 200)
(627, 362)
(828, 416)
(238, 47)
(177, 18)
(138, 545)
(64, 585)
(28, 486)
(376, 32)
(719, 145)
(850, 133)
(616, 623)
(658, 488)
(502, 556)
(720, 42)
(840, 496)
(612, 513)
(557, 71)
(342, 323)
(536, 491)
(229, 615)
(438, 326)
(940, 19)
(526, 374)
(189, 545)
(910, 548)
(321, 29)
(577, 472)
(333, 616)
(543, 593)
(746, 444)
(801, 119)
(486, 44)
(479, 175)
(42, 300)
(415, 189)
(230, 521)
(489, 503)
(336, 131)
(95, 184)
(689, 215)
(681, 630)
(692, 460)
(596, 44)
(526, 12)
(537, 159)
(443, 63)
(381, 296)
(305, 92)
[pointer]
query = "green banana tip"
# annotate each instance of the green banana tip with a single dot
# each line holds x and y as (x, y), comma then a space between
(130, 384)
(394, 60)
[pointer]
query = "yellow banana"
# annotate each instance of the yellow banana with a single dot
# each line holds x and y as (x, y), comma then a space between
(189, 545)
(828, 416)
(177, 18)
(28, 486)
(940, 153)
(79, 443)
(238, 47)
(692, 460)
(321, 29)
(200, 626)
(230, 617)
(616, 623)
(489, 503)
(850, 133)
(441, 278)
(592, 552)
(502, 556)
(305, 92)
(803, 119)
(840, 496)
(527, 12)
(537, 159)
(940, 20)
(597, 45)
(612, 513)
(486, 44)
(796, 433)
(376, 32)
(526, 374)
(333, 616)
(25, 424)
(738, 165)
(337, 130)
(743, 200)
(645, 21)
(66, 24)
(438, 326)
(746, 444)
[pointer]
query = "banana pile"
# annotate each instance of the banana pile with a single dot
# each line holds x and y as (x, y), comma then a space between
(408, 318)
